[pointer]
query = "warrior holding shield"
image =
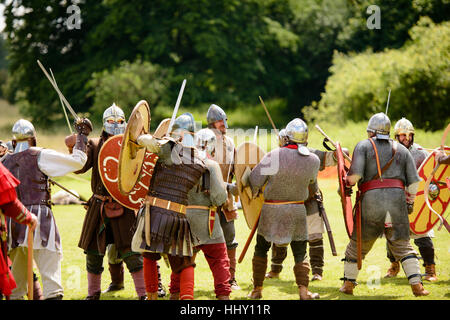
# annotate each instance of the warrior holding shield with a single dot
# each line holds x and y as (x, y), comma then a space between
(167, 231)
(383, 169)
(203, 216)
(288, 175)
(107, 221)
(224, 155)
(315, 218)
(404, 133)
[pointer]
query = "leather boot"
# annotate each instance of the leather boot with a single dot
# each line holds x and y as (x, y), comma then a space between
(37, 291)
(223, 298)
(430, 272)
(232, 256)
(116, 271)
(174, 296)
(347, 287)
(301, 273)
(418, 290)
(152, 295)
(305, 294)
(393, 270)
(94, 283)
(259, 271)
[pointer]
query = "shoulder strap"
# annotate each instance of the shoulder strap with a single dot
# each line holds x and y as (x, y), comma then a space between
(388, 164)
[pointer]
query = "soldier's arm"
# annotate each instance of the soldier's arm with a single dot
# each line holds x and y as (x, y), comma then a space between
(412, 179)
(356, 171)
(57, 164)
(257, 179)
(218, 190)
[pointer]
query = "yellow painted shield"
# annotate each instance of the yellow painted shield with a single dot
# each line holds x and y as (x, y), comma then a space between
(161, 131)
(248, 155)
(422, 219)
(131, 157)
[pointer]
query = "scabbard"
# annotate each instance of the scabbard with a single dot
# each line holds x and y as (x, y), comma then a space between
(323, 214)
(211, 221)
(358, 231)
(147, 228)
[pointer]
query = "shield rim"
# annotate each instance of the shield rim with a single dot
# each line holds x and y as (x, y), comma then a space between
(414, 216)
(140, 154)
(346, 201)
(260, 198)
(129, 205)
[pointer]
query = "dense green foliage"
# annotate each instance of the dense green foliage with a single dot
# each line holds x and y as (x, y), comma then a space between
(418, 75)
(230, 51)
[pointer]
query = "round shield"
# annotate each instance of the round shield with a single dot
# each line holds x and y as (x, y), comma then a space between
(132, 155)
(108, 164)
(346, 201)
(422, 219)
(248, 155)
(162, 129)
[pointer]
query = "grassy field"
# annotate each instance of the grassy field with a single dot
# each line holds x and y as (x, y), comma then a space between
(372, 285)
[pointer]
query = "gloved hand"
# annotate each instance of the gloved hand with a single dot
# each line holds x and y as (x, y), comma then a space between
(149, 142)
(83, 126)
(232, 188)
(410, 207)
(347, 188)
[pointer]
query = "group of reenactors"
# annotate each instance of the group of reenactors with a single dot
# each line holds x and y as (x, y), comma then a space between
(190, 207)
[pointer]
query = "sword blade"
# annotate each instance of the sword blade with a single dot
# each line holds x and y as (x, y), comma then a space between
(387, 104)
(177, 105)
(62, 103)
(66, 103)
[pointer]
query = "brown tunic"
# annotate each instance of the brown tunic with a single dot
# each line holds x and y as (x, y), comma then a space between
(98, 231)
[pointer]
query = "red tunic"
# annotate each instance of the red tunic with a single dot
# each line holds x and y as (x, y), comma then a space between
(10, 206)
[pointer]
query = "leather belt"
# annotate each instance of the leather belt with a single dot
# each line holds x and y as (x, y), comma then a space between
(166, 204)
(378, 184)
(277, 202)
(198, 207)
(103, 198)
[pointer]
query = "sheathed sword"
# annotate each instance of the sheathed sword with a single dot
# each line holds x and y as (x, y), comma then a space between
(322, 213)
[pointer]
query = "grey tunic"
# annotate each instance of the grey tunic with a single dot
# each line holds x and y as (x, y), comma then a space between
(214, 197)
(284, 223)
(378, 202)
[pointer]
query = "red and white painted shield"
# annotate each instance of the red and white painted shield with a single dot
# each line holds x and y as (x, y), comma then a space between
(346, 200)
(108, 164)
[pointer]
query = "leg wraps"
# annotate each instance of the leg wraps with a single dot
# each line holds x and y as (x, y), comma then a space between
(94, 283)
(278, 256)
(316, 256)
(174, 286)
(139, 283)
(232, 262)
(187, 284)
(350, 270)
(411, 268)
(116, 271)
(301, 272)
(426, 250)
(150, 275)
(259, 270)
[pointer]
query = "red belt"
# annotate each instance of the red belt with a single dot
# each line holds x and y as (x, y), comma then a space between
(378, 184)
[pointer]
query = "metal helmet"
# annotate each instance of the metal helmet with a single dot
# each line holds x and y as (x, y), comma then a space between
(114, 120)
(380, 125)
(184, 126)
(282, 137)
(297, 131)
(22, 130)
(403, 126)
(215, 113)
(205, 141)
